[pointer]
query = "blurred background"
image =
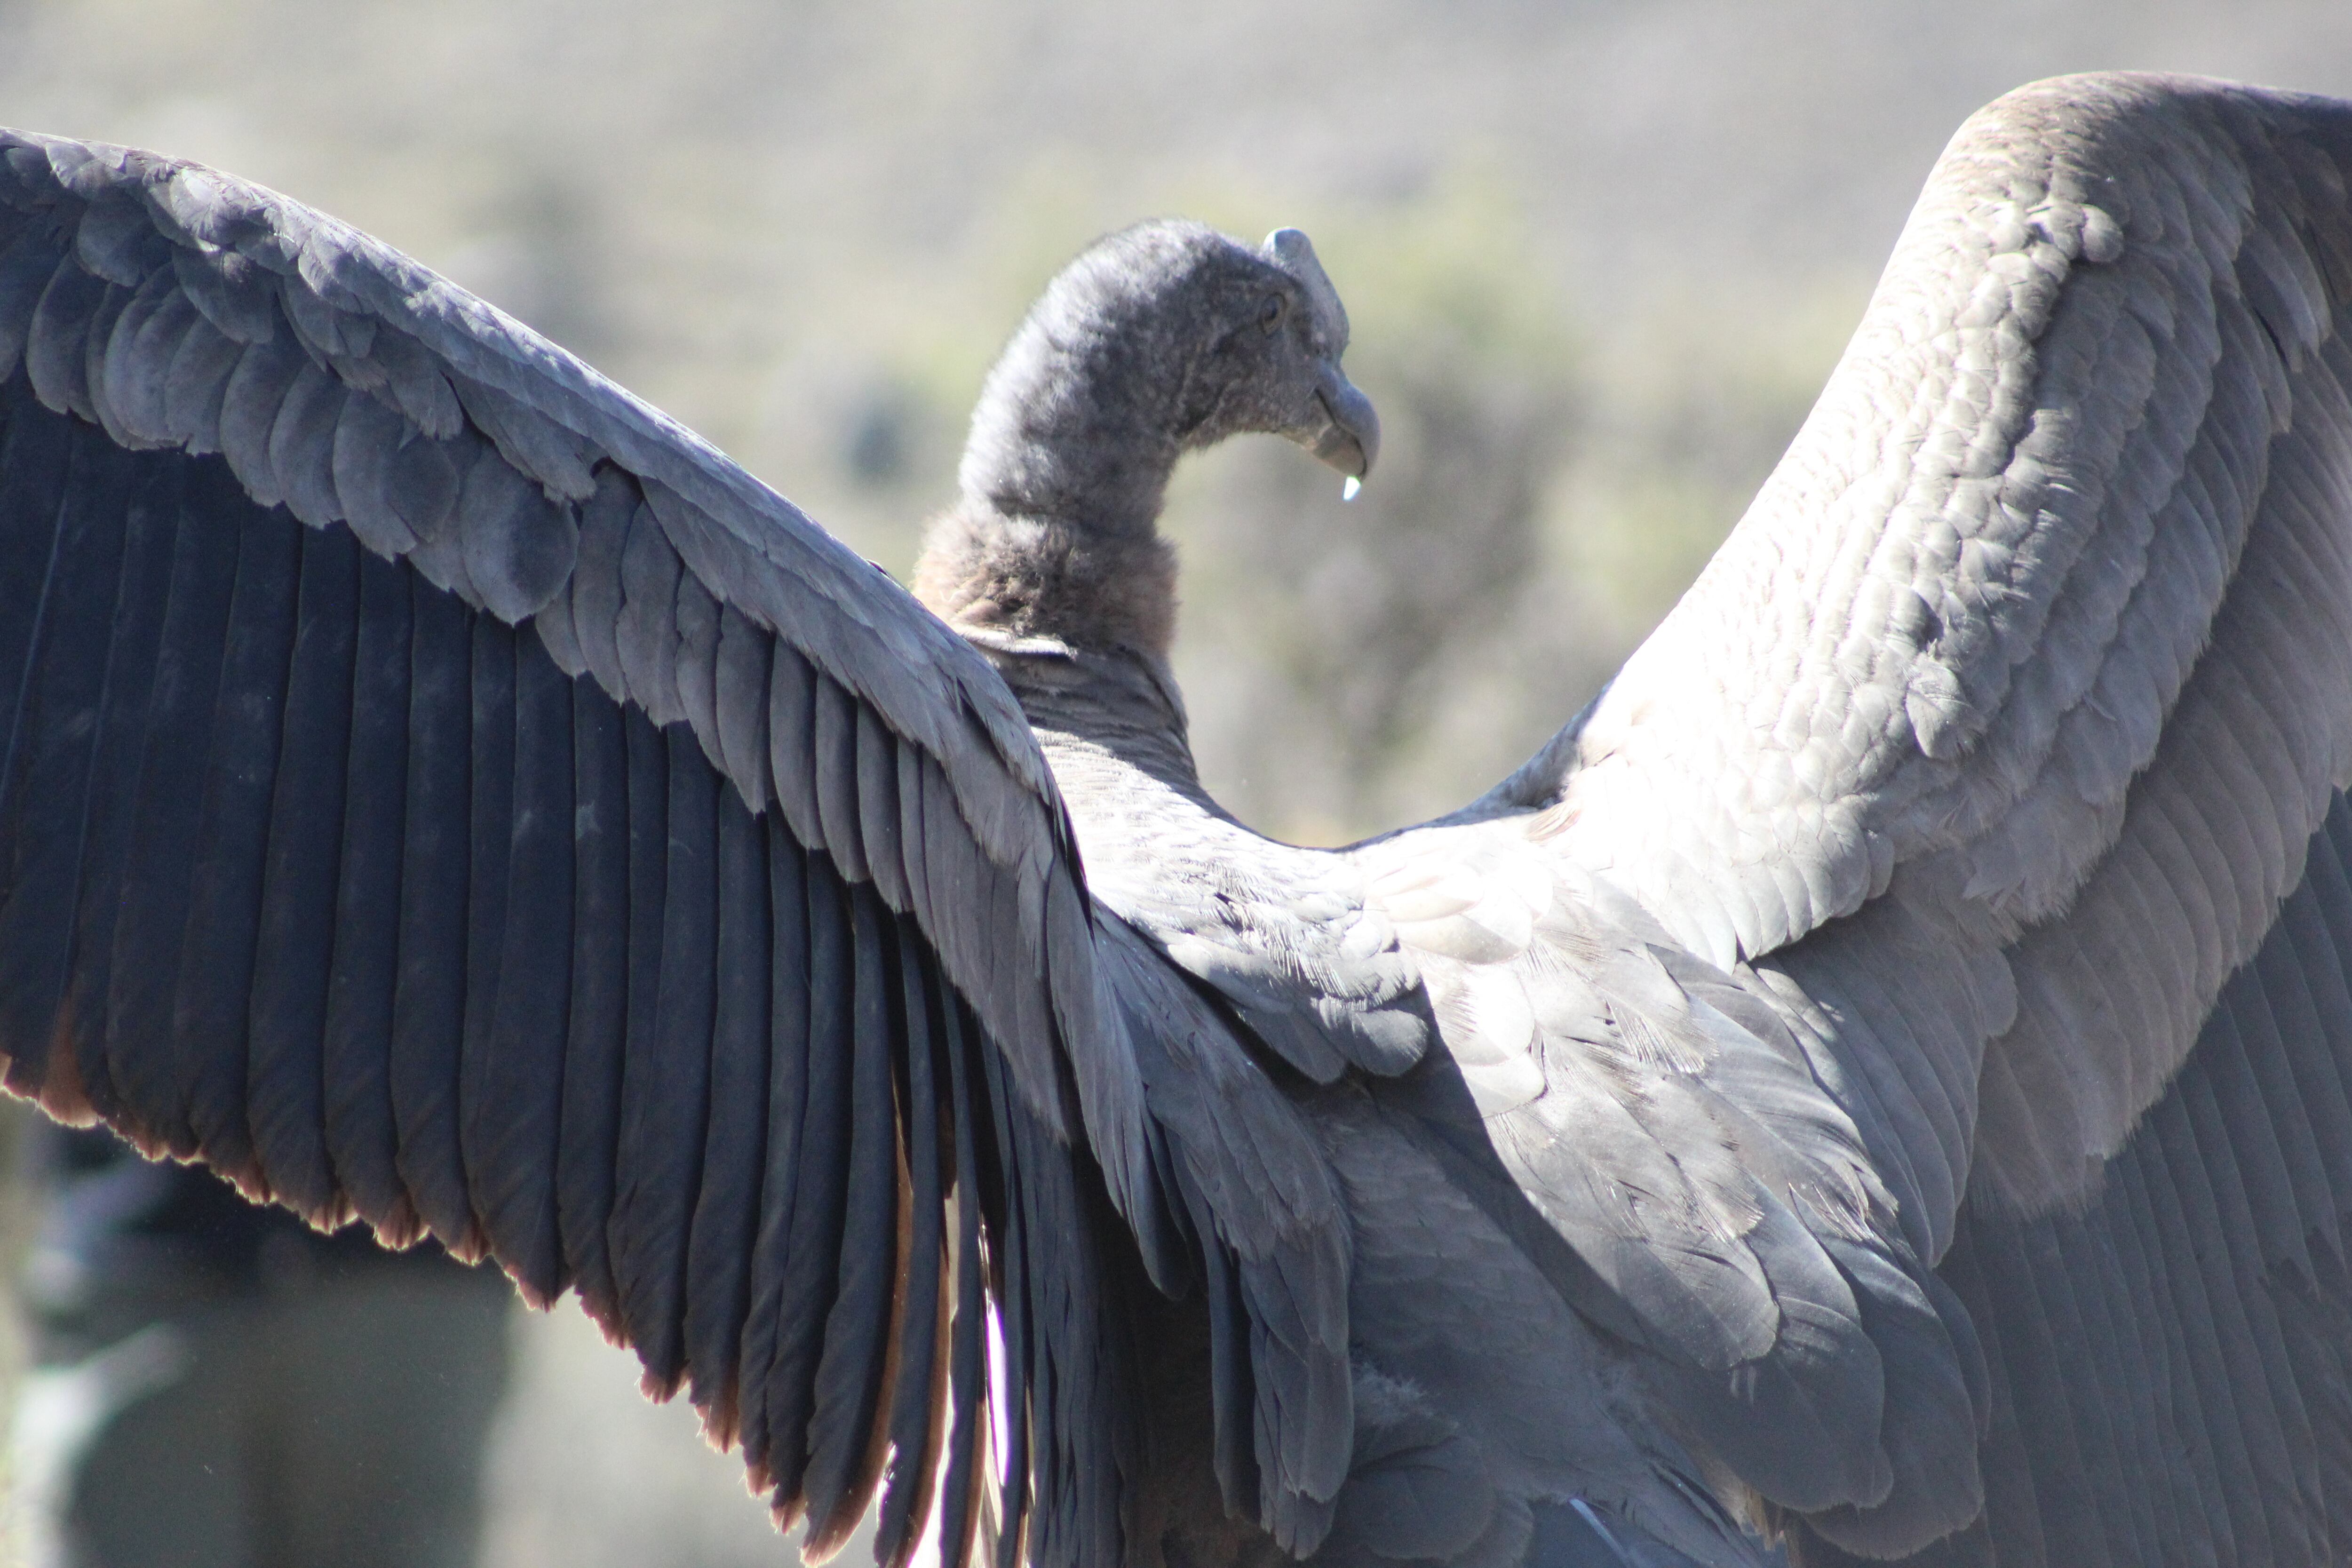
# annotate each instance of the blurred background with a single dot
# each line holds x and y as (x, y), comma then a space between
(1599, 259)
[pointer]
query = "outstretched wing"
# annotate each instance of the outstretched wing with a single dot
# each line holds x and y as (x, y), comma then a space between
(439, 789)
(1989, 748)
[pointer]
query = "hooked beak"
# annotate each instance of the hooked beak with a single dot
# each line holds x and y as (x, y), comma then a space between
(1347, 432)
(1342, 429)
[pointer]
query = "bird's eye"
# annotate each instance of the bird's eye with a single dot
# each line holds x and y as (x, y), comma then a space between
(1270, 314)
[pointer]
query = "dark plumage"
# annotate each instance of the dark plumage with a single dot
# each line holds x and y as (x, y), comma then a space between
(1877, 1086)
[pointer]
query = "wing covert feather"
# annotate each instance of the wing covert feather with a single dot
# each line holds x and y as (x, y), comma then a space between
(1996, 751)
(2034, 641)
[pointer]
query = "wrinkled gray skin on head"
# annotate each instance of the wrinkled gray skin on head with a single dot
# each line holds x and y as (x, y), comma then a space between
(1161, 340)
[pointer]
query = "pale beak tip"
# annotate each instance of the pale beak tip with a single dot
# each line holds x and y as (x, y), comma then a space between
(1350, 487)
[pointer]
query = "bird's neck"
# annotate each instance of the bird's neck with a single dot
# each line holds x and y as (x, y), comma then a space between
(1055, 534)
(1019, 578)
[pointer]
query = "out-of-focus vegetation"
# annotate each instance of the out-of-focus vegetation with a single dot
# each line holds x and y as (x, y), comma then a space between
(583, 1471)
(1599, 256)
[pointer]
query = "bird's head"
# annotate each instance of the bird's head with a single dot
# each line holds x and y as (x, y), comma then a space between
(1165, 338)
(1265, 331)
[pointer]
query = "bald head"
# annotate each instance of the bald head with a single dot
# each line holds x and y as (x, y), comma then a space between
(1158, 340)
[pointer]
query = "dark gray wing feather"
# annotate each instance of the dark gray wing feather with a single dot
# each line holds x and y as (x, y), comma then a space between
(2171, 1374)
(1251, 1185)
(439, 790)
